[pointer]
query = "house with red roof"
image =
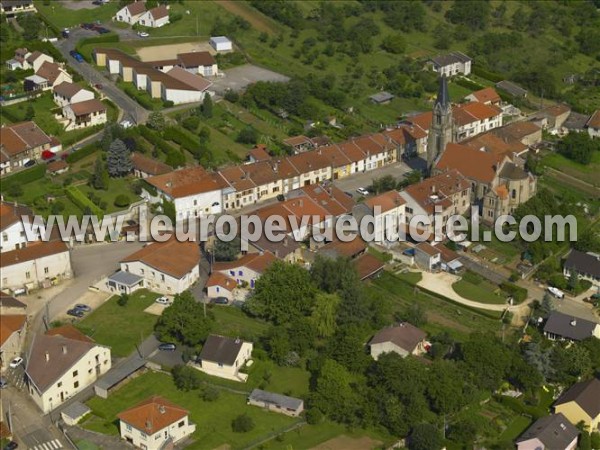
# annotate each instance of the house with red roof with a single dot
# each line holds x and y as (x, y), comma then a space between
(593, 125)
(247, 269)
(220, 285)
(487, 96)
(155, 423)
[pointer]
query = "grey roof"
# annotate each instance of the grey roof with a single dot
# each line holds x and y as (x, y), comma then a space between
(221, 349)
(381, 97)
(9, 301)
(511, 88)
(443, 97)
(583, 263)
(283, 401)
(569, 327)
(586, 394)
(36, 79)
(554, 431)
(76, 410)
(125, 278)
(404, 335)
(220, 39)
(117, 374)
(511, 171)
(576, 121)
(450, 58)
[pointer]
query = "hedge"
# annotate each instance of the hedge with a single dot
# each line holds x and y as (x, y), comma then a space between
(180, 137)
(79, 198)
(469, 84)
(520, 408)
(139, 96)
(487, 74)
(88, 150)
(518, 293)
(25, 176)
(102, 39)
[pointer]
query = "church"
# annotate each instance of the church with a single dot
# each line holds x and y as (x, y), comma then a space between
(499, 180)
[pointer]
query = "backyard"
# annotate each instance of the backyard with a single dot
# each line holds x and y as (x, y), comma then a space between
(212, 419)
(473, 287)
(121, 327)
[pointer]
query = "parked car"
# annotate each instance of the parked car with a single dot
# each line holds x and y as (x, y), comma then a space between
(126, 124)
(163, 301)
(362, 191)
(3, 383)
(12, 445)
(87, 26)
(65, 33)
(556, 292)
(82, 307)
(16, 362)
(75, 312)
(220, 301)
(98, 86)
(167, 347)
(102, 30)
(30, 163)
(143, 34)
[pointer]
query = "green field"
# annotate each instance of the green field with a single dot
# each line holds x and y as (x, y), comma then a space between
(121, 327)
(231, 321)
(588, 173)
(484, 292)
(64, 17)
(212, 419)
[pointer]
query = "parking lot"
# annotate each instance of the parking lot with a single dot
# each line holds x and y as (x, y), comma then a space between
(238, 78)
(352, 183)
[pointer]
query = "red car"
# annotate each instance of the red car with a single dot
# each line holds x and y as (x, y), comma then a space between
(98, 86)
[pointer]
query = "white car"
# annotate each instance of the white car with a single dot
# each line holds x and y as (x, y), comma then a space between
(163, 301)
(556, 292)
(16, 362)
(126, 124)
(362, 191)
(143, 34)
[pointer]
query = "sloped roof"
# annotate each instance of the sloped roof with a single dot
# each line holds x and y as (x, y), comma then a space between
(442, 186)
(196, 59)
(196, 82)
(8, 301)
(586, 394)
(137, 7)
(485, 95)
(186, 182)
(32, 251)
(282, 401)
(258, 262)
(159, 12)
(386, 201)
(11, 213)
(594, 121)
(172, 257)
(149, 165)
(367, 266)
(67, 89)
(329, 197)
(222, 280)
(69, 332)
(221, 349)
(50, 71)
(10, 324)
(259, 153)
(87, 107)
(404, 335)
(554, 431)
(583, 263)
(569, 327)
(153, 414)
(473, 164)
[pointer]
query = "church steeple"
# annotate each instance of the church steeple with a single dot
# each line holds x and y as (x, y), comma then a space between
(441, 132)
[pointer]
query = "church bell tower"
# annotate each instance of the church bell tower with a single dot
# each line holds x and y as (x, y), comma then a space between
(441, 132)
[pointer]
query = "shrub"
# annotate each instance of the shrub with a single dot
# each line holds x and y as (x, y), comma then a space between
(314, 416)
(518, 293)
(210, 394)
(122, 200)
(487, 74)
(186, 378)
(180, 137)
(242, 423)
(469, 84)
(191, 123)
(25, 176)
(123, 299)
(84, 203)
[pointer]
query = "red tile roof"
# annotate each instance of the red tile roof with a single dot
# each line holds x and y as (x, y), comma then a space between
(67, 89)
(185, 182)
(594, 121)
(50, 71)
(473, 112)
(196, 82)
(473, 164)
(137, 7)
(10, 324)
(148, 165)
(486, 95)
(441, 186)
(56, 166)
(386, 201)
(33, 251)
(258, 262)
(295, 141)
(331, 198)
(12, 213)
(171, 257)
(88, 107)
(69, 332)
(367, 266)
(159, 12)
(222, 280)
(259, 153)
(196, 59)
(153, 415)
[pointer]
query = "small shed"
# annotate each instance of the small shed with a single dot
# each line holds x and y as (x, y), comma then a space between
(73, 413)
(512, 89)
(382, 98)
(124, 282)
(115, 376)
(283, 404)
(221, 43)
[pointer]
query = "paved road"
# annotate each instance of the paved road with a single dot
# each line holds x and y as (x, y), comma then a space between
(353, 182)
(129, 106)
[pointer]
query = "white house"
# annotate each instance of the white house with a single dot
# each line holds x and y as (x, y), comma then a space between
(224, 357)
(84, 114)
(67, 93)
(183, 87)
(154, 424)
(221, 43)
(169, 267)
(19, 61)
(202, 63)
(131, 13)
(62, 363)
(193, 191)
(54, 74)
(428, 257)
(247, 269)
(454, 63)
(220, 285)
(585, 265)
(36, 59)
(404, 339)
(388, 212)
(10, 8)
(155, 18)
(593, 125)
(13, 220)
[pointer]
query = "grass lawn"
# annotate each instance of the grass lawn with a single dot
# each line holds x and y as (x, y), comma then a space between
(515, 428)
(380, 255)
(116, 186)
(442, 315)
(212, 419)
(410, 277)
(66, 17)
(587, 173)
(232, 321)
(484, 292)
(121, 327)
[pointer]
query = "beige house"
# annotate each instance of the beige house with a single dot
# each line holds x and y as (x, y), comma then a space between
(131, 13)
(67, 93)
(62, 363)
(224, 357)
(88, 113)
(169, 267)
(10, 305)
(12, 336)
(21, 143)
(247, 269)
(388, 213)
(220, 285)
(155, 17)
(404, 339)
(580, 403)
(155, 424)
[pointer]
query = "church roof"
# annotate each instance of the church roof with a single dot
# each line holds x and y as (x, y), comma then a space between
(443, 97)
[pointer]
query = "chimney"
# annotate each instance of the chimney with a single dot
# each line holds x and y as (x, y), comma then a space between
(285, 242)
(64, 349)
(433, 188)
(47, 356)
(574, 322)
(148, 425)
(276, 253)
(161, 409)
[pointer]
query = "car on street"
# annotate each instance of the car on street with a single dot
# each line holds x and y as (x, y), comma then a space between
(220, 301)
(82, 307)
(167, 347)
(163, 300)
(98, 86)
(143, 34)
(102, 30)
(362, 191)
(3, 383)
(556, 292)
(16, 362)
(65, 33)
(12, 445)
(87, 26)
(76, 56)
(75, 312)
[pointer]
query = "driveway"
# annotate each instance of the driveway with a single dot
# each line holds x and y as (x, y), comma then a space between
(238, 78)
(129, 106)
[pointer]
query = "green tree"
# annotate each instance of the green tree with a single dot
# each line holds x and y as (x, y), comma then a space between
(29, 112)
(579, 147)
(100, 177)
(334, 393)
(226, 251)
(156, 121)
(446, 387)
(324, 313)
(473, 14)
(122, 200)
(242, 423)
(119, 159)
(31, 25)
(206, 109)
(123, 299)
(184, 321)
(425, 437)
(186, 378)
(488, 359)
(282, 294)
(394, 43)
(247, 135)
(547, 305)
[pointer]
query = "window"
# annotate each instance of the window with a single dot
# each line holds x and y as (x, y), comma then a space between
(240, 273)
(76, 384)
(144, 435)
(75, 373)
(59, 384)
(181, 424)
(4, 237)
(28, 275)
(46, 270)
(514, 193)
(162, 277)
(128, 427)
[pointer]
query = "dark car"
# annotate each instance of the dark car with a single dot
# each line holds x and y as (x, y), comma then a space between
(75, 312)
(102, 30)
(11, 445)
(3, 383)
(167, 347)
(82, 307)
(220, 301)
(280, 198)
(30, 163)
(87, 26)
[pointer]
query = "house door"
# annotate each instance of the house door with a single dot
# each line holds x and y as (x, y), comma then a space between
(62, 397)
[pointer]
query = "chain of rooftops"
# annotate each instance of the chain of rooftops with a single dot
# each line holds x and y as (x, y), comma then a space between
(376, 227)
